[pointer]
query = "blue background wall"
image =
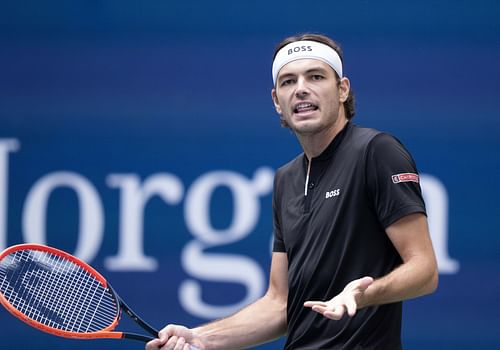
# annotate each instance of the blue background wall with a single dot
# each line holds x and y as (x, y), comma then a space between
(168, 102)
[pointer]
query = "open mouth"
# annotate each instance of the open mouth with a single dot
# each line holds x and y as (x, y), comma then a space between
(304, 107)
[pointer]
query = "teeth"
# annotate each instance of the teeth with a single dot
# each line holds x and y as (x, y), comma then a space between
(303, 106)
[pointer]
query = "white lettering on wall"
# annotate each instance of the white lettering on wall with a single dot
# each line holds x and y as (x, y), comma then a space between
(436, 201)
(6, 146)
(222, 267)
(198, 261)
(91, 222)
(133, 199)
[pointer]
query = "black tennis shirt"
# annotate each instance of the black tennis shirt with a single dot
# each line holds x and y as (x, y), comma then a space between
(364, 181)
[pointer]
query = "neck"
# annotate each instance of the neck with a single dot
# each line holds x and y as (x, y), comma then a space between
(314, 144)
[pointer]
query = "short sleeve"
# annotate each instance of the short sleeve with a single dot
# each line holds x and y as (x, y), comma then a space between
(392, 179)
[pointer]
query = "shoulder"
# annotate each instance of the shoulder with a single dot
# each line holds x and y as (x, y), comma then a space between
(289, 175)
(387, 146)
(360, 138)
(292, 167)
(363, 133)
(373, 140)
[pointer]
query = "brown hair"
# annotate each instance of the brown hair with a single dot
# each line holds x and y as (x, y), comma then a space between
(349, 104)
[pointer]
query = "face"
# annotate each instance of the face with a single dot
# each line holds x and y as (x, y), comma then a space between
(308, 96)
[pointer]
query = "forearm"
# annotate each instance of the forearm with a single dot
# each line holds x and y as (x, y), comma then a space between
(259, 322)
(414, 278)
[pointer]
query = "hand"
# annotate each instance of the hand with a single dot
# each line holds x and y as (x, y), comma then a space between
(347, 300)
(174, 337)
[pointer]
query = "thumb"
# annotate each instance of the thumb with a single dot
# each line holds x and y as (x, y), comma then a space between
(154, 344)
(365, 282)
(166, 333)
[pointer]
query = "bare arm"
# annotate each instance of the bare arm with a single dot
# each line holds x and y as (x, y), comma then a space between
(259, 322)
(417, 275)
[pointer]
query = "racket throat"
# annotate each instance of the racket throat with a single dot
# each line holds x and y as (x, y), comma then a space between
(148, 328)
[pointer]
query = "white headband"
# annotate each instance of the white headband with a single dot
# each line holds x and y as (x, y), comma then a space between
(306, 49)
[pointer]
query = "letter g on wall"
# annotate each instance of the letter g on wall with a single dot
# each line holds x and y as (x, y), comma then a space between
(217, 267)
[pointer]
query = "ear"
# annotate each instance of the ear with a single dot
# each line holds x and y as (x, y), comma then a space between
(344, 88)
(275, 101)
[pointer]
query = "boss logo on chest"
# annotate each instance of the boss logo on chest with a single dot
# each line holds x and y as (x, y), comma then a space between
(333, 193)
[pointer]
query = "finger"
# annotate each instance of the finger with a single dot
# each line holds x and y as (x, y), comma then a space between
(154, 344)
(180, 344)
(325, 311)
(336, 314)
(170, 343)
(314, 303)
(320, 309)
(165, 333)
(352, 307)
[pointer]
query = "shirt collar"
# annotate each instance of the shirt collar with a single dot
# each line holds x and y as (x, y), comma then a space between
(332, 147)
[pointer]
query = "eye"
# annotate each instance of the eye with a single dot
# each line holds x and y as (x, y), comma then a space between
(317, 77)
(286, 82)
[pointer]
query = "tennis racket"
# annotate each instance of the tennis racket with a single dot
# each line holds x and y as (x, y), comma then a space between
(57, 293)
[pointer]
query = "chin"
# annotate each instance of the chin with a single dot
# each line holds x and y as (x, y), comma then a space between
(306, 128)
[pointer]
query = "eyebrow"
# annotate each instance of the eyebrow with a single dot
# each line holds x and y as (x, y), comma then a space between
(308, 71)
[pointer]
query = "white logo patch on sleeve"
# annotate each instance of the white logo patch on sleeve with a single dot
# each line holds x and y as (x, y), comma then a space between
(405, 177)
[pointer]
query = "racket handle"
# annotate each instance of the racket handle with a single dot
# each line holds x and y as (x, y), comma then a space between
(145, 338)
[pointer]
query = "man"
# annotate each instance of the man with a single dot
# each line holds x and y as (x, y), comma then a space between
(351, 236)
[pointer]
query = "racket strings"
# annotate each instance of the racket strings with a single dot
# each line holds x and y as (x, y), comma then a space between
(56, 292)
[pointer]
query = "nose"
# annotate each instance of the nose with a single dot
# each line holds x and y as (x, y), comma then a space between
(302, 89)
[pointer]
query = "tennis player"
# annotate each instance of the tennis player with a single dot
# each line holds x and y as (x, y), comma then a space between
(351, 239)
